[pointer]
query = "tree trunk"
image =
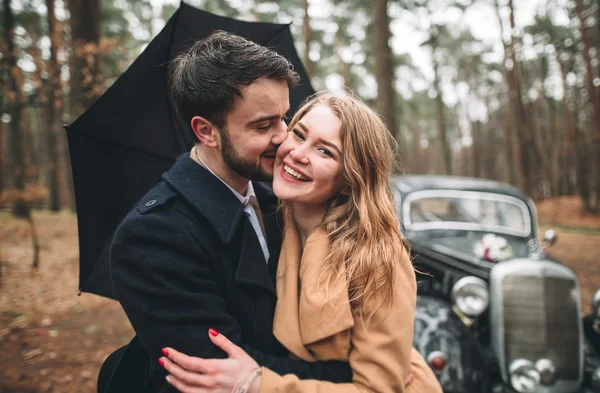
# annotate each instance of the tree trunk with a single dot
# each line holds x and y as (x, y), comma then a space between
(441, 121)
(53, 110)
(489, 154)
(417, 161)
(592, 94)
(598, 33)
(512, 148)
(85, 61)
(582, 157)
(552, 148)
(15, 106)
(476, 168)
(307, 35)
(569, 141)
(384, 70)
(35, 243)
(2, 152)
(342, 66)
(523, 140)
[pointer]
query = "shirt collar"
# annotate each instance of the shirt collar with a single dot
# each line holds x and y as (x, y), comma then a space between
(247, 200)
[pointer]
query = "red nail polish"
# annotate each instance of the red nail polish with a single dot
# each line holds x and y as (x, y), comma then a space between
(213, 332)
(164, 350)
(161, 362)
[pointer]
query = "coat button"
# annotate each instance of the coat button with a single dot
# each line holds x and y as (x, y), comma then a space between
(150, 202)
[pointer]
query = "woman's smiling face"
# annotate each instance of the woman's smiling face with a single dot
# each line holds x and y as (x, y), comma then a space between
(308, 166)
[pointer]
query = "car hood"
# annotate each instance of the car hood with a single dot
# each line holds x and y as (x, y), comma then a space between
(463, 247)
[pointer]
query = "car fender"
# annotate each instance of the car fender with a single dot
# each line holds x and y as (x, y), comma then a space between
(437, 328)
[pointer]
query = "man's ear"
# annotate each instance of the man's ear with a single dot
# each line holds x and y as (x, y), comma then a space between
(205, 131)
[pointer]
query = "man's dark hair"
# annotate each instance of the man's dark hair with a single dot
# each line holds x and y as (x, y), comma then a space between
(206, 78)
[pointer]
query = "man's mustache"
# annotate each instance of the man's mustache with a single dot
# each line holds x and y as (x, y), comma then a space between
(271, 151)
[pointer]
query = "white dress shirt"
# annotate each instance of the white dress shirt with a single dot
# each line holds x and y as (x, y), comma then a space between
(248, 202)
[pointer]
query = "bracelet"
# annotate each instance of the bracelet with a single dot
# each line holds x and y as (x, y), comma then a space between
(243, 389)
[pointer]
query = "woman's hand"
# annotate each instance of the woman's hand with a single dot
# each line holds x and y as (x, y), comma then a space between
(197, 375)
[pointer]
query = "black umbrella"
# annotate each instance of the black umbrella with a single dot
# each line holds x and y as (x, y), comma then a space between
(123, 143)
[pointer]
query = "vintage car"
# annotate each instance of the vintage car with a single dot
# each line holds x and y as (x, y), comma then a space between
(495, 313)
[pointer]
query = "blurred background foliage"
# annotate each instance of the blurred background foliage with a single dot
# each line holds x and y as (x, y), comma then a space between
(498, 89)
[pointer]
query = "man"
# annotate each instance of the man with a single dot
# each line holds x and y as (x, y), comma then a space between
(200, 250)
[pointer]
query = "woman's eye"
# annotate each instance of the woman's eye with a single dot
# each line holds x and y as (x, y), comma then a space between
(298, 134)
(325, 151)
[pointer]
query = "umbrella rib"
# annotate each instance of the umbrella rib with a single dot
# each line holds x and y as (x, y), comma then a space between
(276, 33)
(156, 155)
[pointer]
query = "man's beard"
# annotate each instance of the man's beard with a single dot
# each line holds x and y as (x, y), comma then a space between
(250, 169)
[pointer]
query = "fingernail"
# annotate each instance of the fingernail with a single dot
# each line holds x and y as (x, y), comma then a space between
(164, 350)
(213, 332)
(161, 362)
(168, 378)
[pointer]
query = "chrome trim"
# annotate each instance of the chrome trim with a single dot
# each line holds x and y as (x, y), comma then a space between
(596, 305)
(523, 367)
(550, 237)
(475, 195)
(547, 371)
(539, 268)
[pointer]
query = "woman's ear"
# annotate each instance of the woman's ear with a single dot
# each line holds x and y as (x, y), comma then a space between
(205, 131)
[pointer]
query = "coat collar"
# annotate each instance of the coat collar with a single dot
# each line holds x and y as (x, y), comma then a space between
(214, 200)
(303, 315)
(208, 195)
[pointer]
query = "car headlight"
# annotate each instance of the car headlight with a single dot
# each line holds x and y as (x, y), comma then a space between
(471, 296)
(524, 377)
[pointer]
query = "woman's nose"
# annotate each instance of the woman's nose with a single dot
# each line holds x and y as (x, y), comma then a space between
(298, 154)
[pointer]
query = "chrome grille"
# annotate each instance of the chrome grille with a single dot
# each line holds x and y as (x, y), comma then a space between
(535, 314)
(541, 322)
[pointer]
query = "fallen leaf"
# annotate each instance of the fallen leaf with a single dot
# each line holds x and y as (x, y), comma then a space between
(32, 353)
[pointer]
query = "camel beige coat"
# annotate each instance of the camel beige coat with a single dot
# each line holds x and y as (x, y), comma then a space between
(314, 328)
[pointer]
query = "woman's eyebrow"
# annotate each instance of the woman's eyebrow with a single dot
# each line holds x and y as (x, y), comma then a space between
(321, 140)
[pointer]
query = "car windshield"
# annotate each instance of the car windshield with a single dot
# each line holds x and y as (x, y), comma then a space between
(467, 210)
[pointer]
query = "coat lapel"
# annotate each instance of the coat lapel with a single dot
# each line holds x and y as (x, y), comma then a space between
(321, 316)
(207, 195)
(273, 225)
(303, 314)
(213, 200)
(286, 323)
(252, 267)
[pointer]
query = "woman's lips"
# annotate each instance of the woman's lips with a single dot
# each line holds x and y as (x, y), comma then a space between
(290, 178)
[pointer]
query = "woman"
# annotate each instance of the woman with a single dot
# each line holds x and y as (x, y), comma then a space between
(345, 284)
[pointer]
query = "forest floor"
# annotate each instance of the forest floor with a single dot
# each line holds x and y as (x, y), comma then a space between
(52, 340)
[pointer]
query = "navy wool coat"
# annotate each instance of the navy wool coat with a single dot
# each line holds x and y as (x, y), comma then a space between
(186, 259)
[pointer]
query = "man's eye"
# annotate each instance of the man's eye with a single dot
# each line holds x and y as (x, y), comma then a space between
(265, 128)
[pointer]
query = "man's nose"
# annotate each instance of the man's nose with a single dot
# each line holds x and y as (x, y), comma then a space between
(280, 133)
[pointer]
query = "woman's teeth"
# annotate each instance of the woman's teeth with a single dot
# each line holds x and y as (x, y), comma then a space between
(293, 173)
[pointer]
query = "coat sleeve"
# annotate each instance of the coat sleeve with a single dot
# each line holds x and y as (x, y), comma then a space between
(380, 354)
(164, 281)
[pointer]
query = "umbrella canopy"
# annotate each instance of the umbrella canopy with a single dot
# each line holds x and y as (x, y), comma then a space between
(123, 143)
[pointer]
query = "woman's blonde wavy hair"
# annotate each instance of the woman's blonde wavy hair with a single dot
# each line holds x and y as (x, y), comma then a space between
(361, 223)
